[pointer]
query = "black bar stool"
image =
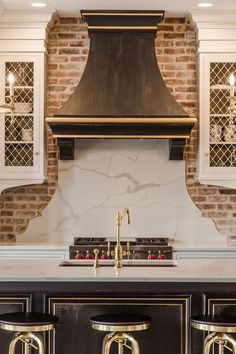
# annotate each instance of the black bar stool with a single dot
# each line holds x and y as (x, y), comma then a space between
(25, 324)
(219, 328)
(118, 325)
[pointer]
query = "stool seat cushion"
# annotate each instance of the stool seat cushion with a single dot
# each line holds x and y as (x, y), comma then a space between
(119, 319)
(218, 323)
(28, 319)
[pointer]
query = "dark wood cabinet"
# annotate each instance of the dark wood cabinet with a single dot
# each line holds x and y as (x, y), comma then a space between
(169, 304)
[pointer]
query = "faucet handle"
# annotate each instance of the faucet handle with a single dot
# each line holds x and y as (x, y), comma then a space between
(128, 249)
(96, 261)
(108, 248)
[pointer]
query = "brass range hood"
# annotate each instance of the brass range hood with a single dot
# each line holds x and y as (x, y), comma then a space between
(121, 93)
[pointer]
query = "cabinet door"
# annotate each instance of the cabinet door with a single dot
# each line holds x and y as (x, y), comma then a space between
(169, 331)
(21, 152)
(217, 158)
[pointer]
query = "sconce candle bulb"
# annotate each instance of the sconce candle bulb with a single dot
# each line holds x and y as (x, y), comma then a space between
(11, 81)
(232, 98)
(232, 82)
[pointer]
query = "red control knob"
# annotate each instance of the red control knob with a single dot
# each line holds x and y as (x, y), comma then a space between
(78, 255)
(161, 255)
(104, 255)
(88, 255)
(151, 256)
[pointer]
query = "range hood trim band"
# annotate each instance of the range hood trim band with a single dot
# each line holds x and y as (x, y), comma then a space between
(84, 136)
(102, 28)
(120, 120)
(122, 13)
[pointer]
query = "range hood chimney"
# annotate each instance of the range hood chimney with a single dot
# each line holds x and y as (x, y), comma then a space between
(121, 93)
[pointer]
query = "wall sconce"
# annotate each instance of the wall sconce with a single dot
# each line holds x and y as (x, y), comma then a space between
(232, 102)
(230, 128)
(9, 107)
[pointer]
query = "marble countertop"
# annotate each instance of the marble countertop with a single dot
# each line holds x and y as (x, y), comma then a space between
(187, 270)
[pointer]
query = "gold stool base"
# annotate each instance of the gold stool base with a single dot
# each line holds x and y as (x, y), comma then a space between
(121, 338)
(27, 338)
(224, 341)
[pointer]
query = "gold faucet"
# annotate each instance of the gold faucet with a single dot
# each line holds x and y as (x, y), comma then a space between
(119, 253)
(96, 261)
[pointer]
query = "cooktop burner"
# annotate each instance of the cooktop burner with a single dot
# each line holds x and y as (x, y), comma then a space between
(90, 241)
(152, 241)
(103, 240)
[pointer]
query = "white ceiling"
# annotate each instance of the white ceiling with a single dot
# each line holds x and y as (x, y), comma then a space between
(72, 7)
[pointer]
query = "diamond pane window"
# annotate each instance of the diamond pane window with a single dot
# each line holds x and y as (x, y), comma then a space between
(19, 147)
(19, 155)
(220, 72)
(223, 155)
(219, 101)
(222, 129)
(22, 71)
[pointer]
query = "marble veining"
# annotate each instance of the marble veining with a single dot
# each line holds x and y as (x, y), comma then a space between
(108, 175)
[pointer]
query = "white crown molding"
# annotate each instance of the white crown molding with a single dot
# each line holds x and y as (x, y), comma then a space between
(210, 17)
(26, 19)
(216, 30)
(19, 28)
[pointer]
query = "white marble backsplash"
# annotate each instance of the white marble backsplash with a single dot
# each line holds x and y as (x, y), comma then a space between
(108, 175)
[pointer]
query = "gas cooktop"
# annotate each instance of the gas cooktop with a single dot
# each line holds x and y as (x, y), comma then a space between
(140, 247)
(158, 241)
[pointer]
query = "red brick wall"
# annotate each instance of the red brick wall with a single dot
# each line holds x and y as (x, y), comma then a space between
(68, 49)
(20, 204)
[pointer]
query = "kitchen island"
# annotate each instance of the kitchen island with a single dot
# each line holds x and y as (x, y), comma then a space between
(168, 294)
